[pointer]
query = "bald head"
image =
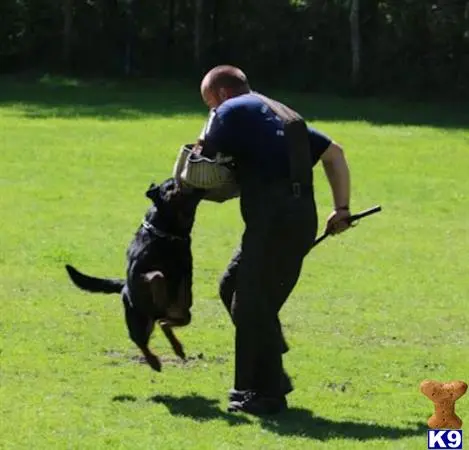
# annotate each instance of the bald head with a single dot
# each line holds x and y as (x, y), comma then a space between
(222, 83)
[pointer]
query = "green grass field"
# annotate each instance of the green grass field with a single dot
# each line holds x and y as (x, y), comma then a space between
(377, 310)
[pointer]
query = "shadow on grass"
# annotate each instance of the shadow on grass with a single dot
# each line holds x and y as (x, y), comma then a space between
(294, 422)
(46, 97)
(301, 422)
(198, 408)
(124, 398)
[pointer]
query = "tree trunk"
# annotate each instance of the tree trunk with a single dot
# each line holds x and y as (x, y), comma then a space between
(130, 35)
(355, 40)
(67, 9)
(198, 30)
(171, 22)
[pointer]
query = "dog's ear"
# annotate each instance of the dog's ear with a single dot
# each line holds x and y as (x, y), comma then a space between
(153, 192)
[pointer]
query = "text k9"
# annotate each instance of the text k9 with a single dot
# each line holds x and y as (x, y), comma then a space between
(445, 439)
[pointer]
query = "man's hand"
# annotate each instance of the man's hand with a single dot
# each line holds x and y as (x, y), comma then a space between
(337, 221)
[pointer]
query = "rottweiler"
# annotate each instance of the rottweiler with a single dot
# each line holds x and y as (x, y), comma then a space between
(158, 285)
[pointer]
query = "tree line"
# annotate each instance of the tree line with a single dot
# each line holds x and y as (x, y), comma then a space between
(410, 47)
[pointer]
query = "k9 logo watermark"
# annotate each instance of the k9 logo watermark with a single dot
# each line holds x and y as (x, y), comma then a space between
(444, 439)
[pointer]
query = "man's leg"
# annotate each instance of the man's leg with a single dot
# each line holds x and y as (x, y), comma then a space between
(292, 239)
(228, 281)
(284, 276)
(227, 289)
(257, 331)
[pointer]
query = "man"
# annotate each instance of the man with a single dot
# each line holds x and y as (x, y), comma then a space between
(281, 225)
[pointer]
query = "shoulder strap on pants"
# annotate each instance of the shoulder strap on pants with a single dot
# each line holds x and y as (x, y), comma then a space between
(296, 134)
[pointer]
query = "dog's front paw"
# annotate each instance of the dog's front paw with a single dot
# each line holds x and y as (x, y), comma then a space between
(154, 362)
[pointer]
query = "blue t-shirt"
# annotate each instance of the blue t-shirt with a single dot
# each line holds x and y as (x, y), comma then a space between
(246, 129)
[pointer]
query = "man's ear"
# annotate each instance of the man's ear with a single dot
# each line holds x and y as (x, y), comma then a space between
(153, 192)
(224, 94)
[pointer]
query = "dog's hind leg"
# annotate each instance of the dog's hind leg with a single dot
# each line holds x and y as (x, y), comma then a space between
(140, 328)
(158, 289)
(173, 340)
(178, 315)
(159, 292)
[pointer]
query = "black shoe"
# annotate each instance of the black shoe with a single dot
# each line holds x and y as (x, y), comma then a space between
(259, 406)
(234, 395)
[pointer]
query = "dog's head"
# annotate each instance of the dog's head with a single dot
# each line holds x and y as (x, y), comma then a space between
(174, 206)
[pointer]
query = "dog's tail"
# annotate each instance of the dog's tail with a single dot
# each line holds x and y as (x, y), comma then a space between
(93, 284)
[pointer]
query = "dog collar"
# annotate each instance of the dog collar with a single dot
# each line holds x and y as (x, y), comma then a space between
(161, 234)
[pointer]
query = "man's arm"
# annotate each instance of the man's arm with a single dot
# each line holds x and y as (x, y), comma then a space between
(337, 172)
(332, 156)
(216, 140)
(218, 134)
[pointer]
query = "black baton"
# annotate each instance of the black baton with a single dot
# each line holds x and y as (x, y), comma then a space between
(350, 220)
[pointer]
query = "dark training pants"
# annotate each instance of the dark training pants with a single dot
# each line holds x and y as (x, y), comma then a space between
(278, 235)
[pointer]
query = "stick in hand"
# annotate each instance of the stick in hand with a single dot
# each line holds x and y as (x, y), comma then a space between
(353, 218)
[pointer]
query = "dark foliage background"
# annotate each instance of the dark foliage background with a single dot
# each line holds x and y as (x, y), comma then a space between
(407, 47)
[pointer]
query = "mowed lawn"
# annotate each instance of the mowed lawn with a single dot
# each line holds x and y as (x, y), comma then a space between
(378, 309)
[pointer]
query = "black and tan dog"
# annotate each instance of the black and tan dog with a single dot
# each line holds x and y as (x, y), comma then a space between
(158, 287)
